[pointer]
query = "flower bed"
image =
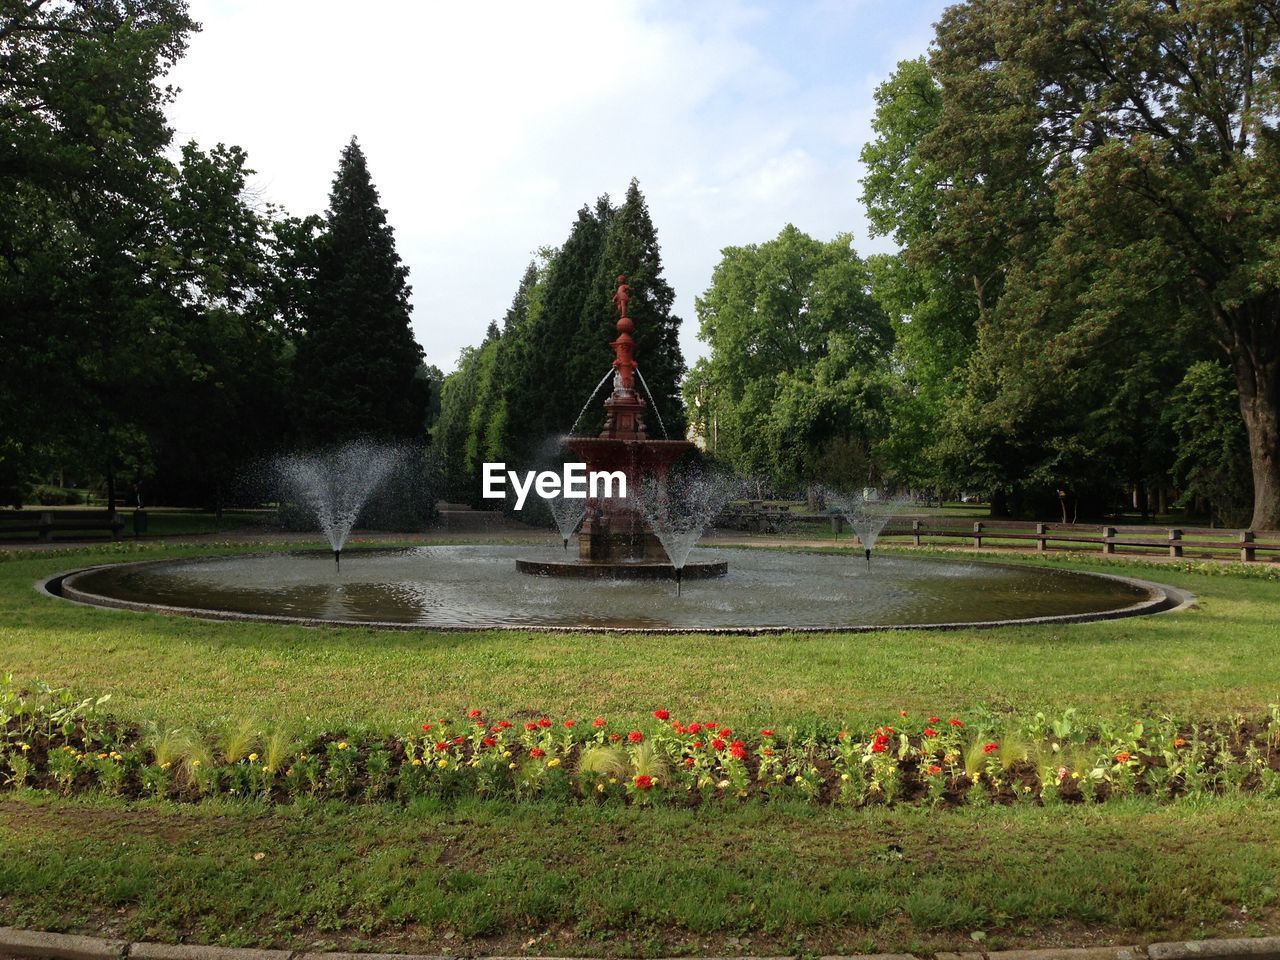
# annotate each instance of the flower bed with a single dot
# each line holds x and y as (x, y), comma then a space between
(52, 742)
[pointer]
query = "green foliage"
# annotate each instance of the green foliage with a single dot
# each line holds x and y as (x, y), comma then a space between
(793, 388)
(1110, 193)
(356, 373)
(1213, 450)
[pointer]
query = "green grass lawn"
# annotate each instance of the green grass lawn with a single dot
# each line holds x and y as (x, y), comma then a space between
(488, 877)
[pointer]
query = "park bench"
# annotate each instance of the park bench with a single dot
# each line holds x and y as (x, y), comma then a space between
(46, 522)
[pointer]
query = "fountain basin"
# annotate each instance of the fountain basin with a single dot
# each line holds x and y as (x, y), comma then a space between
(474, 588)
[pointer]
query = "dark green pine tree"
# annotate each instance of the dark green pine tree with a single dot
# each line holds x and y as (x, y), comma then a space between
(546, 379)
(518, 312)
(356, 371)
(631, 248)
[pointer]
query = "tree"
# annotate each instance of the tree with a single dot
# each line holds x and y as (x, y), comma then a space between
(792, 326)
(929, 299)
(1135, 145)
(1213, 450)
(84, 180)
(631, 249)
(547, 368)
(357, 368)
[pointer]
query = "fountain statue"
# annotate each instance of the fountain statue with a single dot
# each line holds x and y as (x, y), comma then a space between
(615, 539)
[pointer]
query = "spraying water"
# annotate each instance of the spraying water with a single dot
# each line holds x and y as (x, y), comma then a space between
(568, 514)
(607, 374)
(333, 485)
(679, 507)
(868, 511)
(653, 406)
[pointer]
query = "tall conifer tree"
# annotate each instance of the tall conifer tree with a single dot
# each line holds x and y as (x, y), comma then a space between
(631, 248)
(356, 372)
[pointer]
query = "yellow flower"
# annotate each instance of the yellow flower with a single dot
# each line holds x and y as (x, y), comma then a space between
(195, 763)
(613, 780)
(166, 765)
(342, 745)
(553, 762)
(599, 788)
(507, 754)
(511, 766)
(844, 776)
(253, 757)
(25, 747)
(417, 762)
(442, 762)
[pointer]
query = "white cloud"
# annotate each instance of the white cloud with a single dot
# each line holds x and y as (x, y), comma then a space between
(487, 125)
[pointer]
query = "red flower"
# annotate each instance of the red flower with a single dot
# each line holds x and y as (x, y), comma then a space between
(726, 732)
(688, 761)
(879, 746)
(635, 736)
(738, 751)
(544, 722)
(902, 713)
(475, 714)
(459, 739)
(990, 747)
(599, 722)
(644, 782)
(930, 732)
(537, 752)
(718, 744)
(531, 725)
(678, 727)
(934, 720)
(934, 770)
(442, 745)
(615, 737)
(766, 732)
(490, 741)
(694, 728)
(426, 726)
(697, 744)
(662, 714)
(767, 751)
(569, 724)
(1123, 756)
(955, 723)
(504, 724)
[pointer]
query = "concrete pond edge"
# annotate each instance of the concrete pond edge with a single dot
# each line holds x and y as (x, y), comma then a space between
(35, 945)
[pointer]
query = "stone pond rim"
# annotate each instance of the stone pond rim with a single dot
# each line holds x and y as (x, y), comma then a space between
(1146, 598)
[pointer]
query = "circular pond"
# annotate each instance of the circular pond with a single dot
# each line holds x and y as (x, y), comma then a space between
(477, 587)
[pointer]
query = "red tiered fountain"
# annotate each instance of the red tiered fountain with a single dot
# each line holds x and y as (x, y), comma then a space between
(615, 540)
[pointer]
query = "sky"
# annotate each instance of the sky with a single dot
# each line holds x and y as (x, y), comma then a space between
(487, 125)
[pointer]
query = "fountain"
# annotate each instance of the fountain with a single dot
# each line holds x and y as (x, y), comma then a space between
(868, 512)
(678, 508)
(333, 485)
(615, 539)
(648, 534)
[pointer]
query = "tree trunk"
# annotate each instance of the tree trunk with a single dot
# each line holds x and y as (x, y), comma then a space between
(1256, 360)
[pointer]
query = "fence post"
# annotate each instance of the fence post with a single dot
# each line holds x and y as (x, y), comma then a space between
(46, 526)
(837, 524)
(1246, 548)
(1175, 543)
(1108, 539)
(977, 534)
(915, 532)
(1040, 538)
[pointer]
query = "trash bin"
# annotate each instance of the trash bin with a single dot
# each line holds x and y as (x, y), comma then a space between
(139, 522)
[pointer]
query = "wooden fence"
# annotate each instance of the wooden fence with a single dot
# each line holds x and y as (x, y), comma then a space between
(1247, 545)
